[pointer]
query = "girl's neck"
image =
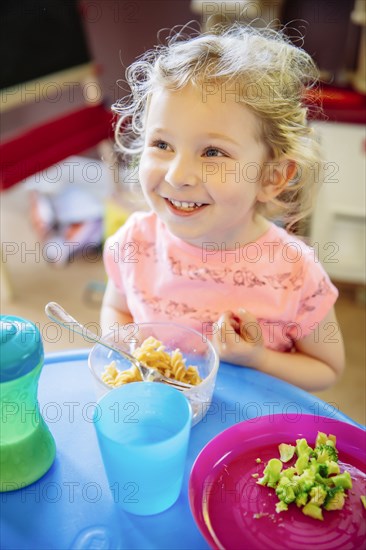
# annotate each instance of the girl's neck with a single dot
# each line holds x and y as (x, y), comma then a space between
(257, 229)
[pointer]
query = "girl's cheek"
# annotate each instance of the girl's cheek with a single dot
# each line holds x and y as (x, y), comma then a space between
(143, 169)
(149, 174)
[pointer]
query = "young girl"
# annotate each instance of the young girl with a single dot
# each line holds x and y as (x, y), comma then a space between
(219, 127)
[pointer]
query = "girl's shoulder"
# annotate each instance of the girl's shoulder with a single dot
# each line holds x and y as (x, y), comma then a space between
(139, 224)
(142, 218)
(287, 244)
(283, 252)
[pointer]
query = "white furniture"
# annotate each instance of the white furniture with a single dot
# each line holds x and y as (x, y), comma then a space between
(337, 229)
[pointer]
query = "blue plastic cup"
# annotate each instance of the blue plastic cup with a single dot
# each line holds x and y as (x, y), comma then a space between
(143, 431)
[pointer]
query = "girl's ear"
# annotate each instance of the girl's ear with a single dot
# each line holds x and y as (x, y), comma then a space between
(276, 175)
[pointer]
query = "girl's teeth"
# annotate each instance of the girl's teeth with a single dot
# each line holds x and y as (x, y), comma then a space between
(185, 205)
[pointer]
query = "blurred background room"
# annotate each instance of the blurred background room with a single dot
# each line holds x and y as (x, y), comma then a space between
(63, 188)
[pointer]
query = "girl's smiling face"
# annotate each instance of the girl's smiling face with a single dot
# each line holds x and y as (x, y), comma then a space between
(201, 166)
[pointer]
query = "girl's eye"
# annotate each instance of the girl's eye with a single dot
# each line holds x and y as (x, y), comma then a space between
(213, 152)
(159, 144)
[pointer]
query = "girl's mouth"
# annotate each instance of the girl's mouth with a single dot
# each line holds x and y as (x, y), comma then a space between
(184, 207)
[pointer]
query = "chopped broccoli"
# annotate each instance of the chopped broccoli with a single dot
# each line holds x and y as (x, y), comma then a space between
(288, 472)
(333, 467)
(326, 481)
(271, 473)
(306, 480)
(318, 495)
(303, 452)
(342, 480)
(286, 452)
(281, 507)
(335, 498)
(301, 463)
(315, 482)
(313, 511)
(285, 490)
(323, 469)
(323, 439)
(326, 453)
(301, 499)
(302, 448)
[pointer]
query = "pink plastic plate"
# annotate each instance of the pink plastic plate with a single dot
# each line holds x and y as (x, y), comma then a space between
(226, 501)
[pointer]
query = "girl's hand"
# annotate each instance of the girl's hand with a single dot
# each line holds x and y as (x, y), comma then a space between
(316, 363)
(239, 339)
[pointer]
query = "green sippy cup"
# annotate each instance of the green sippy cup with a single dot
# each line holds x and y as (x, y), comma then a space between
(27, 448)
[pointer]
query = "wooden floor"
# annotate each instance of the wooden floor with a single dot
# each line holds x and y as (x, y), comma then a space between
(77, 286)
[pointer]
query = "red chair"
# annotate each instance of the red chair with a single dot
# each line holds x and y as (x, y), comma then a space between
(40, 147)
(44, 145)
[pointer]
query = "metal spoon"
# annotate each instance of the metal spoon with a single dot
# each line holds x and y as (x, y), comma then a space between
(57, 314)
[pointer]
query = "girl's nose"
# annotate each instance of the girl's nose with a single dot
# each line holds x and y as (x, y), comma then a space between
(182, 171)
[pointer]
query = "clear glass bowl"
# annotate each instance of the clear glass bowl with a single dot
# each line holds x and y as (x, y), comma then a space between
(196, 350)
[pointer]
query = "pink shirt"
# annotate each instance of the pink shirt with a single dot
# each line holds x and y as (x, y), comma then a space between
(277, 278)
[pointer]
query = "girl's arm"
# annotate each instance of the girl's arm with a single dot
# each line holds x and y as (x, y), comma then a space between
(114, 309)
(317, 362)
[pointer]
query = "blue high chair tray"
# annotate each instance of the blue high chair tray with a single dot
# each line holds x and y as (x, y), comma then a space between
(72, 506)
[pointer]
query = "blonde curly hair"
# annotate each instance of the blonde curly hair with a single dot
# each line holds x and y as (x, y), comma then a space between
(270, 75)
